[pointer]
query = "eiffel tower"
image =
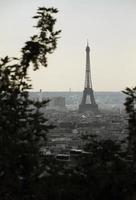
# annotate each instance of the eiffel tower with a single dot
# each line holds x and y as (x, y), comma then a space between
(88, 90)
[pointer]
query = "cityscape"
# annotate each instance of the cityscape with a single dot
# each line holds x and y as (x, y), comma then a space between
(77, 115)
(68, 100)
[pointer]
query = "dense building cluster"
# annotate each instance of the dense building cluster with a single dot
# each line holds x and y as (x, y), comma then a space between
(72, 129)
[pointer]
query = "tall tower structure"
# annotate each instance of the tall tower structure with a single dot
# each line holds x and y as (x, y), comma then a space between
(88, 90)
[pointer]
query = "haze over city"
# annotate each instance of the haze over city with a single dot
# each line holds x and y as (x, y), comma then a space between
(109, 26)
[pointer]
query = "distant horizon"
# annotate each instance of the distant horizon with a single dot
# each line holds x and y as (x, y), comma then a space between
(71, 91)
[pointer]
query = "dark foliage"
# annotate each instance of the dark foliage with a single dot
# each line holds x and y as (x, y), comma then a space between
(23, 127)
(43, 43)
(130, 106)
(107, 170)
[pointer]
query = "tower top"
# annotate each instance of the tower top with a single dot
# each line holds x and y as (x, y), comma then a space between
(87, 47)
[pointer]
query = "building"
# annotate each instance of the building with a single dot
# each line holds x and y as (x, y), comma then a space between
(57, 103)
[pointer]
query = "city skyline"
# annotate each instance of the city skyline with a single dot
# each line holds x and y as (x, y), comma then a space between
(109, 26)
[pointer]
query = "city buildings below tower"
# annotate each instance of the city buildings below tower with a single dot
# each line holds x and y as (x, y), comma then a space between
(57, 103)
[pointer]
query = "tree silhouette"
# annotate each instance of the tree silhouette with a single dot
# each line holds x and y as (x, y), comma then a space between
(130, 106)
(23, 127)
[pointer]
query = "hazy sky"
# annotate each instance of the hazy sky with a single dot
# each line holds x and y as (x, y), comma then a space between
(109, 25)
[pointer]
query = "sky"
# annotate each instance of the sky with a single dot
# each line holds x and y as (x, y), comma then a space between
(109, 26)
